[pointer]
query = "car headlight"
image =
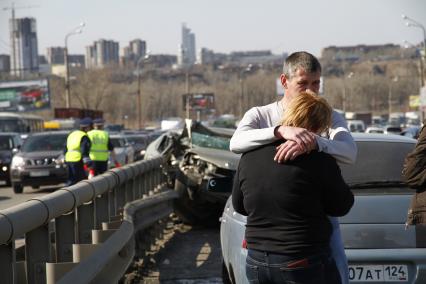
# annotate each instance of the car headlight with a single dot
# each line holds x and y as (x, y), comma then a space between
(59, 160)
(17, 162)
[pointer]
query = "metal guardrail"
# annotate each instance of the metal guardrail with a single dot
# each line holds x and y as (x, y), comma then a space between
(84, 233)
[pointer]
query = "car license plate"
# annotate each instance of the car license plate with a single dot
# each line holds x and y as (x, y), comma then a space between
(39, 173)
(383, 273)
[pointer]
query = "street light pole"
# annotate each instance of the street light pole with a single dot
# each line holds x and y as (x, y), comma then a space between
(140, 60)
(344, 102)
(421, 73)
(394, 79)
(77, 30)
(245, 70)
(413, 23)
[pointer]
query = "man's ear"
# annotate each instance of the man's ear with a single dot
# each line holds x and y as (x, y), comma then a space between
(283, 79)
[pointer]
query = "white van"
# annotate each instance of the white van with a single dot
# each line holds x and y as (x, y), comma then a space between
(356, 125)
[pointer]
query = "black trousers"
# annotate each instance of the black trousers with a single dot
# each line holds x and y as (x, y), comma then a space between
(100, 167)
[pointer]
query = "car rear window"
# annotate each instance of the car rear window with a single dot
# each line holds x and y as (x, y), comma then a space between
(377, 162)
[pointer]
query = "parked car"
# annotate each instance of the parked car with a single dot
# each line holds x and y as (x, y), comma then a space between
(393, 129)
(412, 132)
(40, 161)
(374, 129)
(139, 142)
(10, 143)
(200, 168)
(124, 152)
(356, 125)
(378, 245)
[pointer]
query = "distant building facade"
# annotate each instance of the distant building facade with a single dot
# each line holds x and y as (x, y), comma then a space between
(55, 55)
(361, 52)
(4, 63)
(23, 38)
(132, 53)
(187, 51)
(102, 53)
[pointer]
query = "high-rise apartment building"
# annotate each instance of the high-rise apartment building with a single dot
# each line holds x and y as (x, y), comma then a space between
(55, 55)
(187, 51)
(135, 50)
(23, 38)
(4, 63)
(102, 53)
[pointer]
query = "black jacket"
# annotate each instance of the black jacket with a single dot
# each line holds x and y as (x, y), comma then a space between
(287, 204)
(414, 173)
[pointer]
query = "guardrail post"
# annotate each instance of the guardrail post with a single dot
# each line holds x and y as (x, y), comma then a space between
(37, 253)
(101, 208)
(65, 237)
(129, 191)
(85, 223)
(7, 262)
(120, 195)
(112, 202)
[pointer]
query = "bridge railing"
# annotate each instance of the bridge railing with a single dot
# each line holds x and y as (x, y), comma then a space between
(83, 233)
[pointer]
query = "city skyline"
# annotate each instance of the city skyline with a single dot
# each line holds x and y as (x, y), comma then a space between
(281, 26)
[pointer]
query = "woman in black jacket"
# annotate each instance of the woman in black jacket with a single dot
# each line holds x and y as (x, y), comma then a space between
(287, 204)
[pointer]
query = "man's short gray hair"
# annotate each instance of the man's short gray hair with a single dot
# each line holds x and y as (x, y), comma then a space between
(300, 60)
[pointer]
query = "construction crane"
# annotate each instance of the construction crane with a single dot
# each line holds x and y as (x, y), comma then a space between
(13, 34)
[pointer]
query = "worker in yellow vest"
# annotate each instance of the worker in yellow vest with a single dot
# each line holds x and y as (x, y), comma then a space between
(101, 147)
(77, 152)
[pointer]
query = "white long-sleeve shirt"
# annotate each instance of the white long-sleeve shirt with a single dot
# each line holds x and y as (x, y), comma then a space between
(257, 128)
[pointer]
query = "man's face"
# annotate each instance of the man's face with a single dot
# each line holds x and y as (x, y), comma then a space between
(301, 82)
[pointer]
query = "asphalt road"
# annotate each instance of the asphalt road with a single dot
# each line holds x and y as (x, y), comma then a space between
(8, 198)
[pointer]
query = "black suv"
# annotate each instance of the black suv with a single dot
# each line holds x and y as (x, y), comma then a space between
(40, 161)
(10, 143)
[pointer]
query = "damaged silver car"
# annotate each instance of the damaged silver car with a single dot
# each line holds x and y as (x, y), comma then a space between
(200, 167)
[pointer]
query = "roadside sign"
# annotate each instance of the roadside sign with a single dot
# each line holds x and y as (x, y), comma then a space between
(22, 96)
(414, 101)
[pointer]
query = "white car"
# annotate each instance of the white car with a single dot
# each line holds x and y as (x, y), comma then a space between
(124, 152)
(379, 247)
(375, 129)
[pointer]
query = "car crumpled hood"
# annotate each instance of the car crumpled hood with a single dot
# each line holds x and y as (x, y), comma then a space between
(221, 158)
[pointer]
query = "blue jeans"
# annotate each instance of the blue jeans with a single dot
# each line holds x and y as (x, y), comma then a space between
(266, 267)
(338, 250)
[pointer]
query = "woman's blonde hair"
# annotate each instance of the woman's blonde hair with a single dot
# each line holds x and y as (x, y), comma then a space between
(309, 111)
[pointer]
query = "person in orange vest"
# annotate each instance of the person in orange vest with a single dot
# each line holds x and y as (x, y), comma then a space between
(77, 152)
(101, 148)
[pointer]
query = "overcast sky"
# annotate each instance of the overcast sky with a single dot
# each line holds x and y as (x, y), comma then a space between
(220, 25)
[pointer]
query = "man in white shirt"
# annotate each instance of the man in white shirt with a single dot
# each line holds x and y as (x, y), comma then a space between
(260, 126)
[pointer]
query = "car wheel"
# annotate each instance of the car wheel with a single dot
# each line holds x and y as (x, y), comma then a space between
(18, 188)
(225, 275)
(193, 211)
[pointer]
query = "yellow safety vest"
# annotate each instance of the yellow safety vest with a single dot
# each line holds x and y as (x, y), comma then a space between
(99, 149)
(73, 153)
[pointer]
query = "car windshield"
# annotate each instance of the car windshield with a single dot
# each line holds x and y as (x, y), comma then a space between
(117, 142)
(383, 171)
(36, 143)
(210, 141)
(136, 139)
(6, 143)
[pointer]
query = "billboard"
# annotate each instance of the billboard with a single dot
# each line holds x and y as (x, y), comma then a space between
(198, 101)
(21, 96)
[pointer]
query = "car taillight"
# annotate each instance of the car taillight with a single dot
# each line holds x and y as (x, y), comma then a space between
(244, 244)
